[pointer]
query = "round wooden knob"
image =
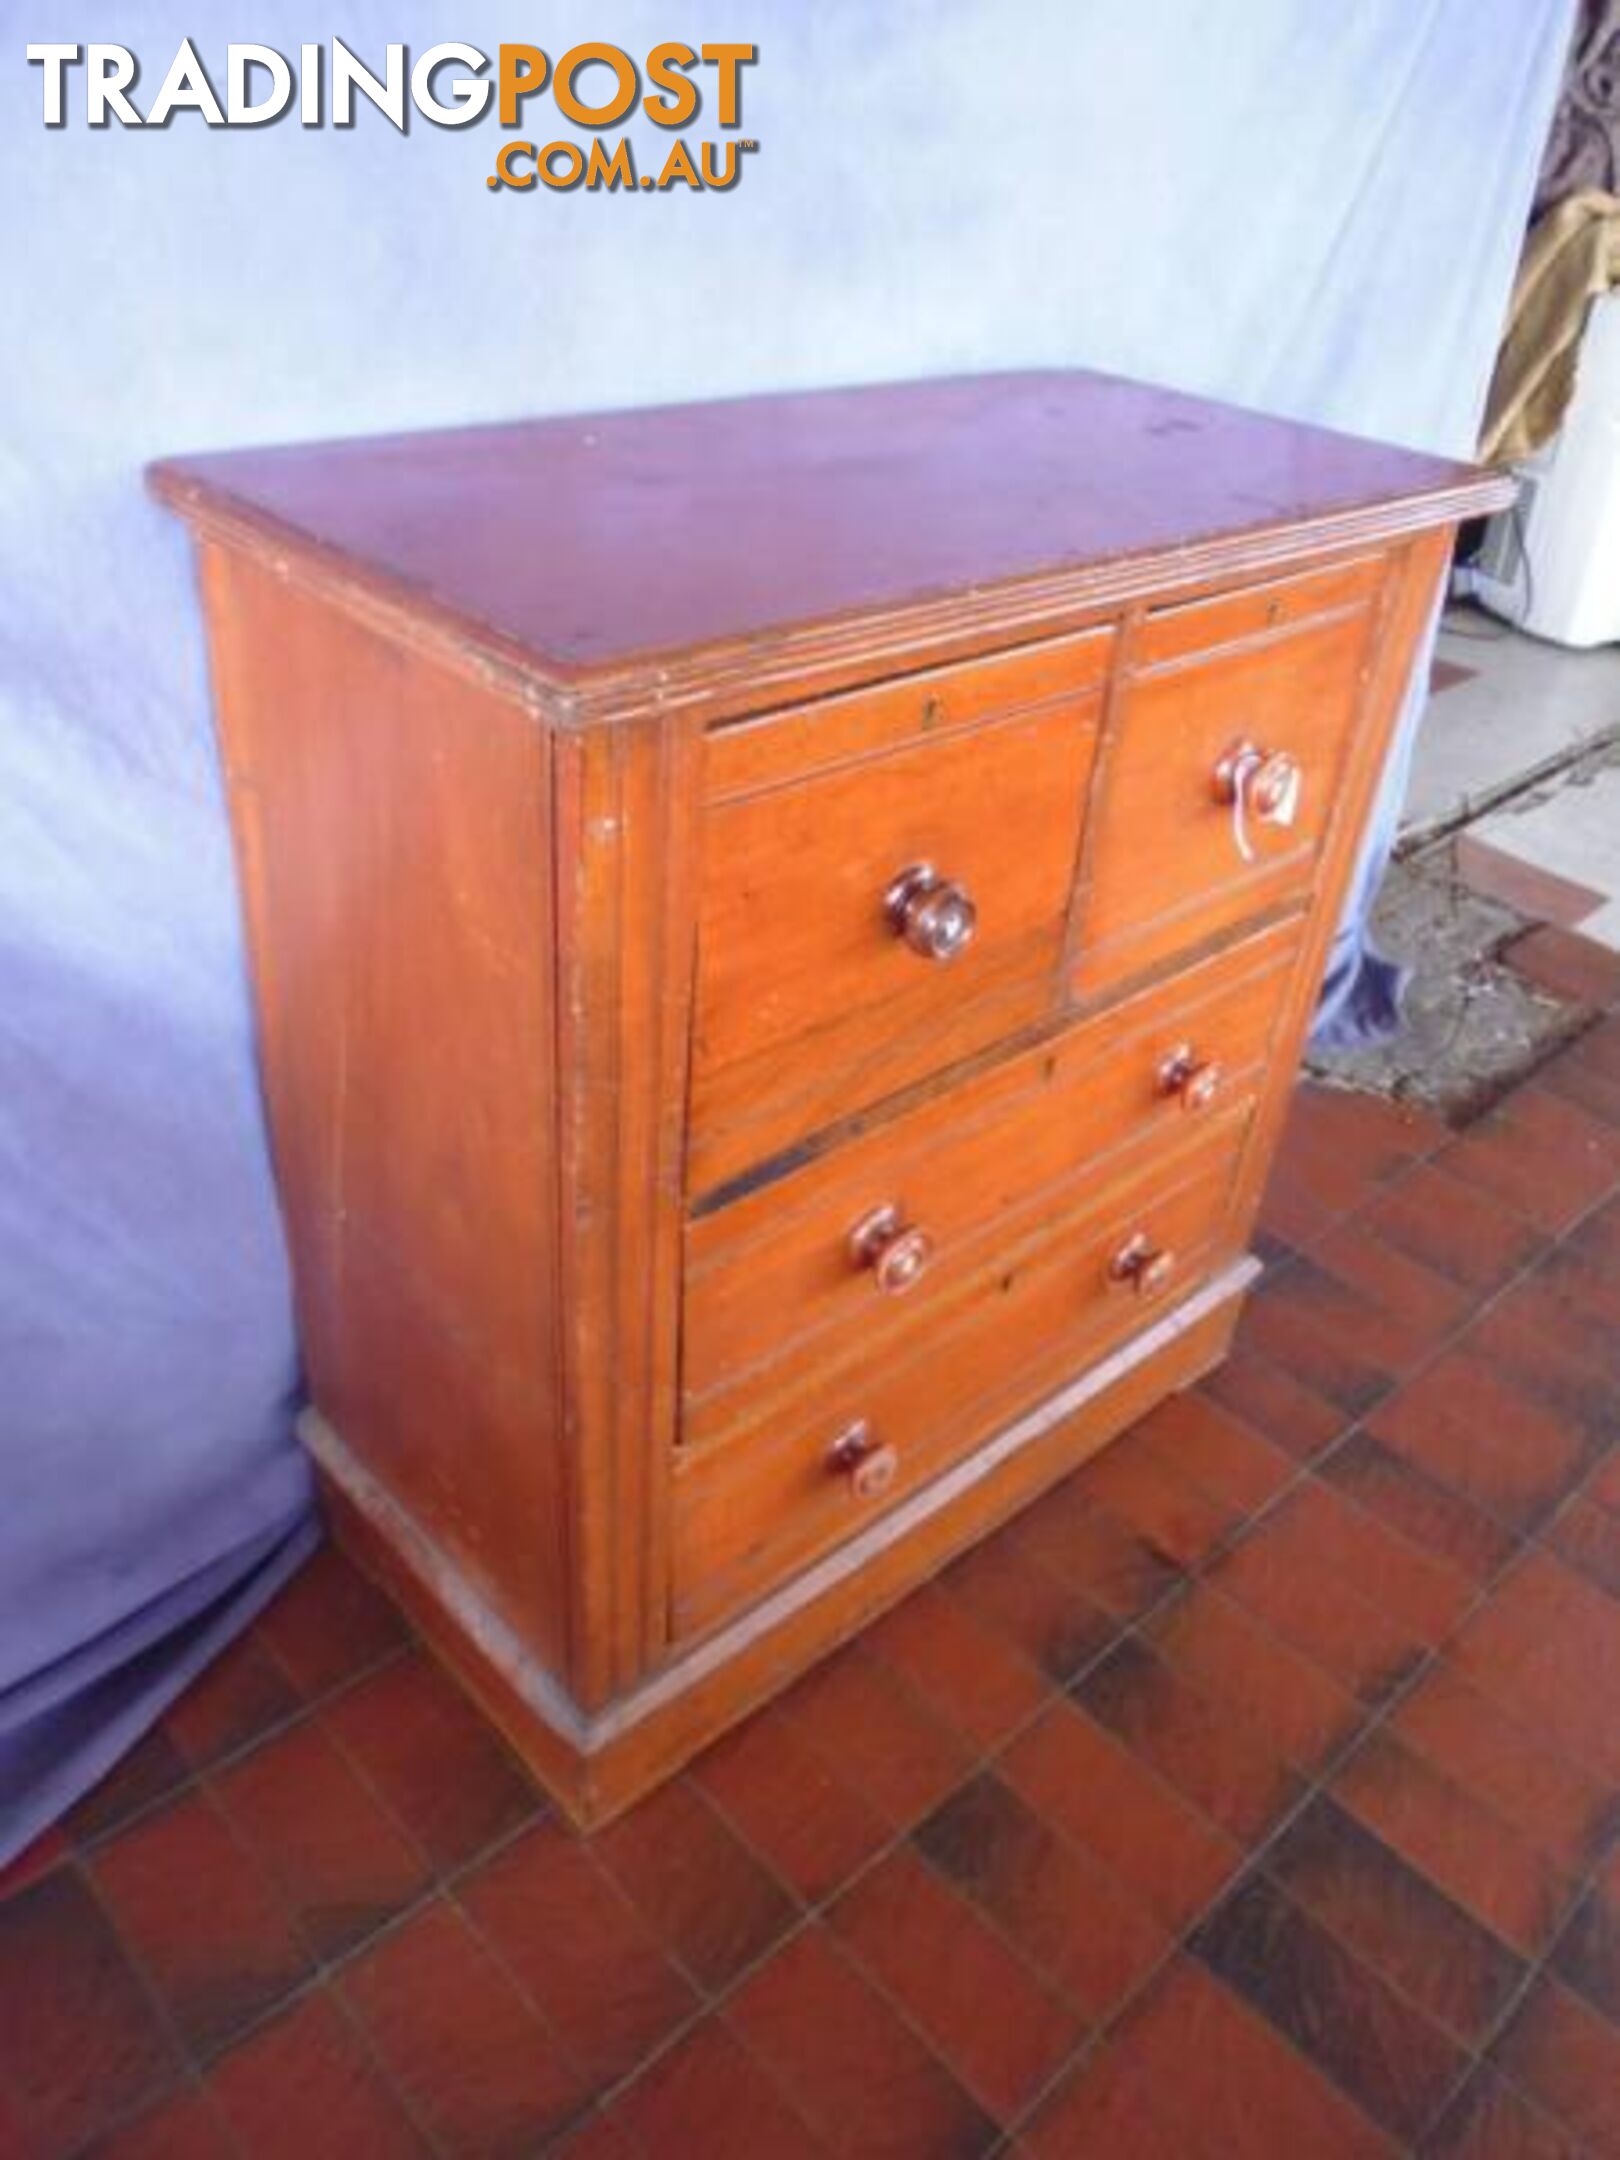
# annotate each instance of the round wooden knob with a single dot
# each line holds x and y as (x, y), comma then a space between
(1273, 786)
(1264, 784)
(1146, 1267)
(935, 916)
(897, 1252)
(1195, 1081)
(869, 1466)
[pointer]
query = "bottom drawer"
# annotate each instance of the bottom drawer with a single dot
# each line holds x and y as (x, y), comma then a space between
(750, 1512)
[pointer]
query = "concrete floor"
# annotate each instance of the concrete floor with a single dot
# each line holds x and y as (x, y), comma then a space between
(1471, 880)
(1505, 707)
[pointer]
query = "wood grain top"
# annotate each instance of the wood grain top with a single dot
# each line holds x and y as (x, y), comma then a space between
(704, 553)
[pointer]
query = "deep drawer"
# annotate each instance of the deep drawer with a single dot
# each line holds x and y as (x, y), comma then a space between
(817, 1467)
(843, 860)
(885, 1227)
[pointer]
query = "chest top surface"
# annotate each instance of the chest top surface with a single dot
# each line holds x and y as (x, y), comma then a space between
(602, 545)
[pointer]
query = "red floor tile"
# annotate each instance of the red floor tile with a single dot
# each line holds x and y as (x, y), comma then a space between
(1586, 1074)
(1374, 2045)
(1388, 1307)
(1237, 1776)
(305, 2084)
(152, 1771)
(1294, 1321)
(1540, 1155)
(1278, 1695)
(1278, 1577)
(1463, 1424)
(1602, 1487)
(1567, 2058)
(1054, 1903)
(1563, 1810)
(1275, 1402)
(1222, 2081)
(203, 1919)
(1216, 1450)
(188, 2126)
(1453, 1229)
(598, 2137)
(79, 2043)
(328, 1624)
(1556, 1356)
(946, 1966)
(847, 2064)
(1538, 1648)
(1450, 1835)
(1103, 1797)
(709, 2096)
(1094, 1553)
(1586, 1956)
(791, 1804)
(578, 1947)
(885, 1740)
(476, 2064)
(1103, 2109)
(1339, 1144)
(1567, 964)
(1488, 2120)
(1439, 1956)
(1149, 1492)
(341, 1864)
(970, 1674)
(442, 1771)
(1417, 1507)
(1012, 1591)
(47, 1851)
(239, 1698)
(715, 1907)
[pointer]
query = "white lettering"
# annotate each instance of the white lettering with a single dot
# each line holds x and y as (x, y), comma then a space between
(350, 74)
(470, 97)
(186, 86)
(239, 61)
(51, 60)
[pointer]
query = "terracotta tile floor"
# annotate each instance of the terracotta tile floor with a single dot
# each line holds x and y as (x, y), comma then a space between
(1257, 1793)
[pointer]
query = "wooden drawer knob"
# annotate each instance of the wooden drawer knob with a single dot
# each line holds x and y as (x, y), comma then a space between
(934, 916)
(897, 1252)
(1146, 1267)
(1261, 786)
(857, 1455)
(1195, 1081)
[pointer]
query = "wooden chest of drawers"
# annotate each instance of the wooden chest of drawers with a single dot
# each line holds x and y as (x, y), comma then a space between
(782, 934)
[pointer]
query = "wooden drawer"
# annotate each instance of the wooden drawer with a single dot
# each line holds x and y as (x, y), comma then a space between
(809, 1003)
(772, 1271)
(754, 1510)
(1165, 867)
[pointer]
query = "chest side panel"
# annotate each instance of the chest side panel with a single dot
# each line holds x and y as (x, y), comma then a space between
(393, 829)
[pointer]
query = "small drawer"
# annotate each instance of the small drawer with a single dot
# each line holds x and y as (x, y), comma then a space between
(814, 1470)
(886, 1225)
(1201, 626)
(1216, 794)
(872, 920)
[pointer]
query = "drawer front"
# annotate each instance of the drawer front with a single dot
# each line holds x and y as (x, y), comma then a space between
(1173, 859)
(817, 1469)
(887, 1226)
(825, 978)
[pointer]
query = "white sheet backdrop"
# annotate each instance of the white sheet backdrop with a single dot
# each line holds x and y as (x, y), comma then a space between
(1305, 207)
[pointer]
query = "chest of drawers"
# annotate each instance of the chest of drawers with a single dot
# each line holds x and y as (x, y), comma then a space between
(782, 933)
